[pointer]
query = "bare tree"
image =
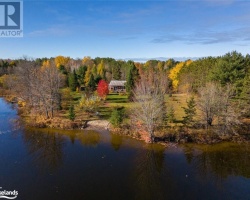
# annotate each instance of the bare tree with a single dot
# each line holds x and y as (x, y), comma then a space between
(215, 102)
(208, 102)
(38, 87)
(228, 116)
(51, 82)
(150, 104)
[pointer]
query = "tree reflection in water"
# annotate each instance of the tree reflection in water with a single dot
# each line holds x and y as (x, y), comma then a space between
(221, 160)
(116, 141)
(46, 148)
(148, 173)
(89, 138)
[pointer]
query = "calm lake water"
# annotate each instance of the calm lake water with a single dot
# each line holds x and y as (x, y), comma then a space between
(50, 164)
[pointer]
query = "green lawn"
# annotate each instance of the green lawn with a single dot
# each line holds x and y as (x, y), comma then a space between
(177, 101)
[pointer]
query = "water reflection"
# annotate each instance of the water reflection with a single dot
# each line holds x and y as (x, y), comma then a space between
(116, 141)
(148, 172)
(45, 147)
(222, 160)
(89, 138)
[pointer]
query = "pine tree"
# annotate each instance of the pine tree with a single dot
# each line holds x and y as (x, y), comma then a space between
(190, 112)
(73, 84)
(132, 75)
(116, 72)
(92, 84)
(72, 114)
(171, 115)
(245, 95)
(81, 74)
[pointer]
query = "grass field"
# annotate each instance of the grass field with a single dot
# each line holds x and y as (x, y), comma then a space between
(177, 101)
(113, 100)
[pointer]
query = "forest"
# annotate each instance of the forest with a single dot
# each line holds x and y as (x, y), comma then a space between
(204, 100)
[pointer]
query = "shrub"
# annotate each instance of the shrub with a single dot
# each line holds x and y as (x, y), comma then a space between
(117, 117)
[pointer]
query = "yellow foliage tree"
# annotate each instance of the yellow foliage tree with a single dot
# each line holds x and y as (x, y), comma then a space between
(87, 75)
(89, 104)
(174, 72)
(61, 60)
(45, 64)
(87, 61)
(100, 69)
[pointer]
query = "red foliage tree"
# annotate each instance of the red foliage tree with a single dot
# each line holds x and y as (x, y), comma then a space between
(102, 89)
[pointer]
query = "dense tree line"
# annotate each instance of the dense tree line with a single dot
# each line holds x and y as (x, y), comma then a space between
(220, 85)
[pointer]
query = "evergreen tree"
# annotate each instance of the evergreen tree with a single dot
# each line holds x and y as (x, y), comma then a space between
(131, 77)
(230, 69)
(71, 114)
(116, 73)
(171, 115)
(73, 84)
(117, 116)
(92, 84)
(246, 95)
(190, 112)
(130, 82)
(81, 74)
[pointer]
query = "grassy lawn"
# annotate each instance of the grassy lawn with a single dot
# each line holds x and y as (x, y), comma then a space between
(113, 100)
(177, 101)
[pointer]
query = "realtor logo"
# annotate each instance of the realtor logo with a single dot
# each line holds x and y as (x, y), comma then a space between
(11, 18)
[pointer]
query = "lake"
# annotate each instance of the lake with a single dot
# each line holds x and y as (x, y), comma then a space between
(54, 164)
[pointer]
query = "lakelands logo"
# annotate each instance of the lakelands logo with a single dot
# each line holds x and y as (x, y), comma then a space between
(4, 194)
(11, 18)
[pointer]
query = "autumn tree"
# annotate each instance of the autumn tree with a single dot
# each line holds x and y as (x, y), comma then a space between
(208, 102)
(50, 83)
(101, 70)
(87, 61)
(87, 76)
(174, 72)
(61, 61)
(150, 105)
(89, 104)
(215, 102)
(39, 87)
(102, 89)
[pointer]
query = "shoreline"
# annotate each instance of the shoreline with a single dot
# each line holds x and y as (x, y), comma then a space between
(169, 136)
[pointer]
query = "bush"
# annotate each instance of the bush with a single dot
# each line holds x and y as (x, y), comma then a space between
(117, 117)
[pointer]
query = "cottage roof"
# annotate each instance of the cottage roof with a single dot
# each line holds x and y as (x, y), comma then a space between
(117, 83)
